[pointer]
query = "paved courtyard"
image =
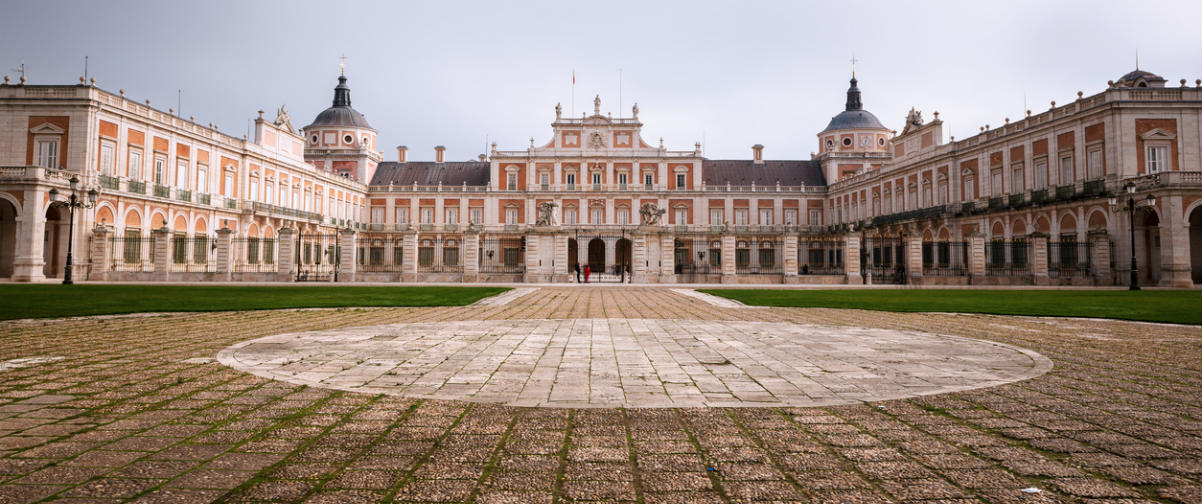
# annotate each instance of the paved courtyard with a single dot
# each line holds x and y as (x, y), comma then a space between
(518, 401)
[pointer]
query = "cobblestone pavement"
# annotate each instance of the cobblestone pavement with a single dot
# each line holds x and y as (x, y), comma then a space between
(109, 409)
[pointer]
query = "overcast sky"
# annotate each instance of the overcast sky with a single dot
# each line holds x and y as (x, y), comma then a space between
(734, 73)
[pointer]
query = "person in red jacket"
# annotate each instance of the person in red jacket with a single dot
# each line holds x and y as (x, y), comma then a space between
(586, 272)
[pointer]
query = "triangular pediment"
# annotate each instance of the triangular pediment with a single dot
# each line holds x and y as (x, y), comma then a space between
(1157, 134)
(46, 129)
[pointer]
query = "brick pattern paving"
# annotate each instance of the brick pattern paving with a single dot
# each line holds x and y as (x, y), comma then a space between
(122, 416)
(640, 363)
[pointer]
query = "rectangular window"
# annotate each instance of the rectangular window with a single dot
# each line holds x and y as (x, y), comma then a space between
(570, 180)
(254, 190)
(596, 216)
(511, 181)
(476, 215)
(427, 215)
(596, 179)
(402, 215)
(815, 217)
(623, 216)
(200, 250)
(1094, 163)
(229, 187)
(133, 246)
(202, 178)
(160, 170)
(740, 216)
(450, 256)
(716, 217)
(682, 216)
(569, 215)
(511, 216)
(134, 170)
(544, 181)
(451, 214)
(1066, 170)
(1157, 159)
(179, 249)
(680, 182)
(106, 158)
(181, 173)
(377, 215)
(969, 190)
(648, 180)
(995, 183)
(48, 153)
(766, 217)
(623, 179)
(1041, 174)
(1016, 178)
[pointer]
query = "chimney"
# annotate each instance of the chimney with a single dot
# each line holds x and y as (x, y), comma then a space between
(401, 152)
(439, 152)
(757, 154)
(483, 158)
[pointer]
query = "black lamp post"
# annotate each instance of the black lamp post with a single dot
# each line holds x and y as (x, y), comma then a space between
(1130, 188)
(72, 202)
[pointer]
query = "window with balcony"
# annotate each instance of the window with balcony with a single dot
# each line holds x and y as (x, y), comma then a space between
(648, 180)
(597, 180)
(451, 214)
(680, 182)
(1093, 163)
(815, 217)
(160, 170)
(570, 180)
(1041, 174)
(995, 182)
(740, 216)
(48, 153)
(544, 181)
(229, 185)
(596, 216)
(682, 216)
(511, 181)
(427, 215)
(134, 170)
(511, 216)
(1016, 178)
(253, 195)
(926, 195)
(377, 215)
(623, 216)
(202, 178)
(106, 158)
(970, 189)
(181, 173)
(1157, 158)
(623, 180)
(402, 215)
(716, 217)
(476, 215)
(766, 217)
(1066, 170)
(569, 215)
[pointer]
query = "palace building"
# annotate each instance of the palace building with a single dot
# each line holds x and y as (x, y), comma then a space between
(1065, 196)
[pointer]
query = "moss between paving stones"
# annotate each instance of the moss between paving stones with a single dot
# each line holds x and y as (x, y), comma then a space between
(52, 301)
(1180, 307)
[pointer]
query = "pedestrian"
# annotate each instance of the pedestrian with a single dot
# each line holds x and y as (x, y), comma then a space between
(576, 268)
(586, 272)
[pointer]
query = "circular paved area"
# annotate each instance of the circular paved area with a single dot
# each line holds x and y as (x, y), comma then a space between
(635, 362)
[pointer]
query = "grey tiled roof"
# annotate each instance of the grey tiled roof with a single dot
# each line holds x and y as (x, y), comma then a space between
(473, 173)
(740, 172)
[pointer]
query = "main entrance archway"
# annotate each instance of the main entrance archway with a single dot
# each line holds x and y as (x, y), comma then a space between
(8, 237)
(596, 255)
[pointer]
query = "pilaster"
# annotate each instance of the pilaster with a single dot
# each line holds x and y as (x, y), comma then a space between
(851, 259)
(914, 258)
(471, 256)
(790, 258)
(409, 257)
(100, 252)
(976, 258)
(728, 259)
(162, 253)
(347, 265)
(286, 256)
(1039, 258)
(223, 255)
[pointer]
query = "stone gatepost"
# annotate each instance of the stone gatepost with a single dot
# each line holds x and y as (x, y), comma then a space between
(347, 264)
(1099, 258)
(1039, 258)
(224, 254)
(851, 259)
(28, 265)
(162, 253)
(790, 259)
(286, 255)
(560, 262)
(471, 256)
(914, 258)
(667, 254)
(728, 259)
(99, 254)
(638, 257)
(409, 257)
(976, 258)
(534, 268)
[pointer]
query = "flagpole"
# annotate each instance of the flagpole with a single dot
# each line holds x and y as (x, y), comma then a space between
(573, 92)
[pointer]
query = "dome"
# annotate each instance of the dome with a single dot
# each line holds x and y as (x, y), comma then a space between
(341, 113)
(1140, 78)
(854, 116)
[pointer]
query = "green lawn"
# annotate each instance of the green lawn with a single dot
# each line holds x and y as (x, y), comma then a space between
(42, 300)
(1182, 307)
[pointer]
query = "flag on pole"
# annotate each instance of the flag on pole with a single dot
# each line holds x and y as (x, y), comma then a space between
(573, 77)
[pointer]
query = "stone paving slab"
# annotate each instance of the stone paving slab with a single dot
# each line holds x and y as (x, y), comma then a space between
(636, 363)
(138, 411)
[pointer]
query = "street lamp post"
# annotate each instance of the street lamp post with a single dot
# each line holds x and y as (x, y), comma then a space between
(72, 202)
(1130, 189)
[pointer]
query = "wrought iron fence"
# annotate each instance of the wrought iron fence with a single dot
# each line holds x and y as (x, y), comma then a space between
(439, 255)
(381, 253)
(1008, 259)
(759, 256)
(192, 253)
(254, 255)
(944, 259)
(1070, 259)
(131, 253)
(884, 258)
(317, 257)
(820, 257)
(502, 254)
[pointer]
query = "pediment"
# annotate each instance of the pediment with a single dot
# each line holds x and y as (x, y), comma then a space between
(47, 129)
(1157, 134)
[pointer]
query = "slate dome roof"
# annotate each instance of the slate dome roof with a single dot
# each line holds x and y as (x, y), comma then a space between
(340, 113)
(854, 116)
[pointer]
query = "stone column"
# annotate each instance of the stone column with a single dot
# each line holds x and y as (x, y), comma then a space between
(851, 259)
(560, 268)
(638, 257)
(162, 253)
(914, 258)
(31, 227)
(99, 254)
(1039, 258)
(286, 255)
(348, 244)
(976, 258)
(728, 259)
(409, 257)
(224, 254)
(790, 258)
(534, 270)
(667, 254)
(471, 256)
(1099, 258)
(1175, 268)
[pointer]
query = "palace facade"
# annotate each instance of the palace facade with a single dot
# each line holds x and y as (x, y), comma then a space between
(1059, 197)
